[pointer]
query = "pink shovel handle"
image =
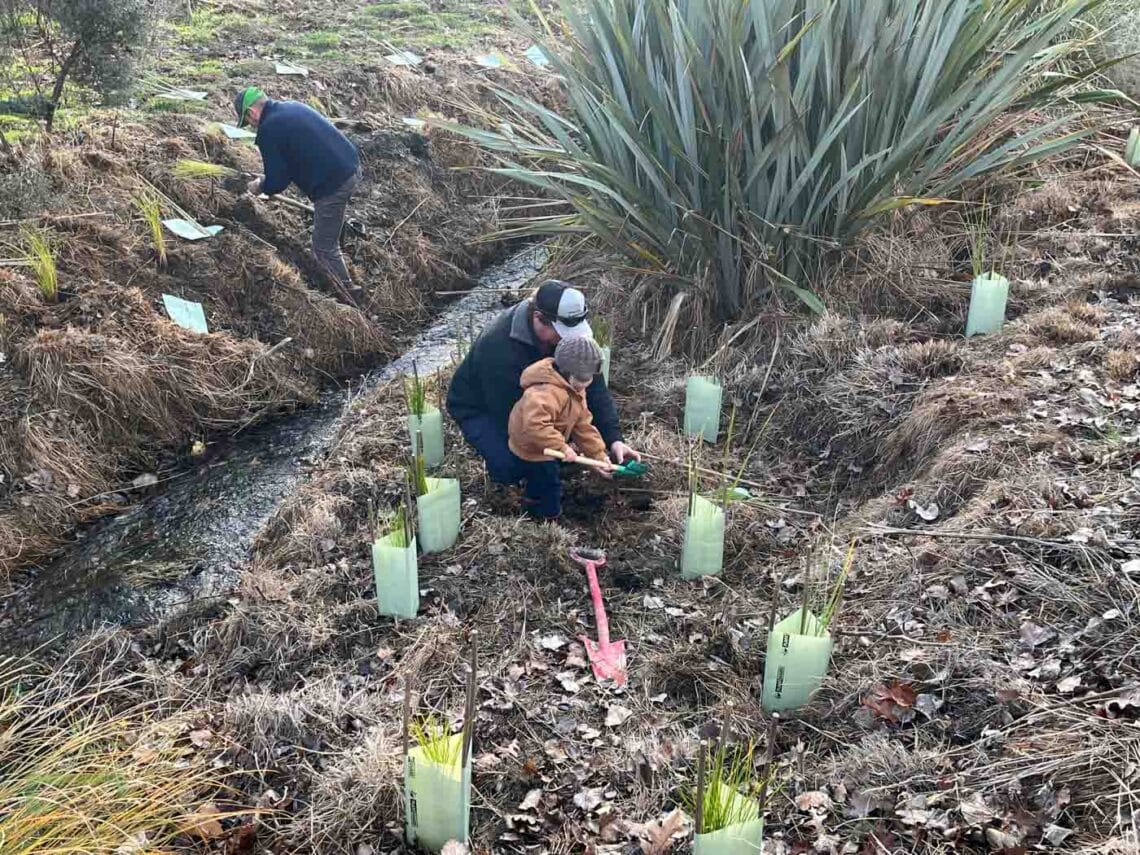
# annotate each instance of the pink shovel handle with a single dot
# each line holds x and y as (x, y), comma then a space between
(599, 606)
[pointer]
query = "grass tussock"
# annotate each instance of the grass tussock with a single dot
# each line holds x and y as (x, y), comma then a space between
(40, 257)
(150, 209)
(85, 774)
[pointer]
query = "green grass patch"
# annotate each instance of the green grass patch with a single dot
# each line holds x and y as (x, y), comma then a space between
(411, 24)
(321, 41)
(207, 26)
(18, 128)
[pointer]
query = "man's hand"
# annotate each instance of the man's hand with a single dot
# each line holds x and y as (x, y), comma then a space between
(254, 186)
(570, 454)
(621, 453)
(607, 473)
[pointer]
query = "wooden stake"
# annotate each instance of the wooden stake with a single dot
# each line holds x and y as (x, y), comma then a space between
(699, 812)
(469, 714)
(770, 758)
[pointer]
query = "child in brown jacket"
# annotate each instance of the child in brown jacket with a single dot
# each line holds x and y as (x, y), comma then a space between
(551, 413)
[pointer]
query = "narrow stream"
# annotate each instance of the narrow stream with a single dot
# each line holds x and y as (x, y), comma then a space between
(189, 540)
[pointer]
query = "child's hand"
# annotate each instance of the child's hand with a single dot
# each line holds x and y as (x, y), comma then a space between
(571, 454)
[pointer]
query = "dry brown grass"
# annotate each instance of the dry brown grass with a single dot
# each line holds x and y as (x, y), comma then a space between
(1121, 364)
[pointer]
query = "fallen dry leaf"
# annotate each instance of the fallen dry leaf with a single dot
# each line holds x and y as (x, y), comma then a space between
(929, 513)
(659, 835)
(203, 823)
(201, 738)
(531, 801)
(552, 642)
(588, 798)
(1068, 685)
(813, 801)
(1035, 635)
(617, 715)
(453, 847)
(568, 682)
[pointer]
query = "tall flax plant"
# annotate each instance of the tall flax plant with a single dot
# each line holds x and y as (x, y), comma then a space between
(733, 141)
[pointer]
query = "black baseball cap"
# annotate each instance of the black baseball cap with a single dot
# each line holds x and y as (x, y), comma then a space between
(565, 307)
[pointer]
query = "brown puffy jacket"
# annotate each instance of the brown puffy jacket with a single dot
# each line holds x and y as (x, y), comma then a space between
(549, 414)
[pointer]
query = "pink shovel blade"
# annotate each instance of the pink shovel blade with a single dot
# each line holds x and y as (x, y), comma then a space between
(607, 661)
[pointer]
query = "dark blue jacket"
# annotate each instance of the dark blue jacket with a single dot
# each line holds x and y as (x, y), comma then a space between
(301, 146)
(487, 382)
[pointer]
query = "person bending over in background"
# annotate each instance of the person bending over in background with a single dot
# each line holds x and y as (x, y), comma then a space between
(300, 146)
(551, 412)
(486, 386)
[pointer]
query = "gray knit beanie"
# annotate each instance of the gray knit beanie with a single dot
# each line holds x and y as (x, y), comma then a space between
(578, 357)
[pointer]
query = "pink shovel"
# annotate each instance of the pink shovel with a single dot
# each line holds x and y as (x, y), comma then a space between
(606, 657)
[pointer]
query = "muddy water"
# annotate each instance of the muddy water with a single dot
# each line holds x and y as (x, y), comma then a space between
(188, 541)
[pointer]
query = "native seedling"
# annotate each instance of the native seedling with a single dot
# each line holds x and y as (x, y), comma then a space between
(436, 741)
(40, 257)
(395, 566)
(199, 170)
(728, 801)
(437, 771)
(438, 503)
(150, 208)
(425, 420)
(799, 646)
(989, 291)
(415, 392)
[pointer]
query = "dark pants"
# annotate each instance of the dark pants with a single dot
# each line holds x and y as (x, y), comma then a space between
(328, 220)
(543, 480)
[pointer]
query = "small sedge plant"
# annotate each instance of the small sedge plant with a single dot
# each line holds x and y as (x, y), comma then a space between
(198, 170)
(833, 597)
(729, 789)
(435, 740)
(39, 255)
(398, 527)
(415, 393)
(417, 473)
(150, 208)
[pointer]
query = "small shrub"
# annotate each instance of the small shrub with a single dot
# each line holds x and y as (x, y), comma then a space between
(94, 42)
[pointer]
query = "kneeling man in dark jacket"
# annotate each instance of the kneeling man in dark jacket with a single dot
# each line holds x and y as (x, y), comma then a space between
(487, 383)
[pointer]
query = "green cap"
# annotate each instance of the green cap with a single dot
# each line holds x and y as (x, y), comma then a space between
(244, 100)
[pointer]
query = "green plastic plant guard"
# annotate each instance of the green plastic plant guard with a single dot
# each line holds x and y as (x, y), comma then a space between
(988, 295)
(235, 133)
(437, 799)
(438, 515)
(1132, 150)
(741, 838)
(185, 313)
(289, 69)
(606, 351)
(430, 426)
(796, 664)
(191, 230)
(703, 550)
(397, 577)
(702, 408)
(536, 55)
